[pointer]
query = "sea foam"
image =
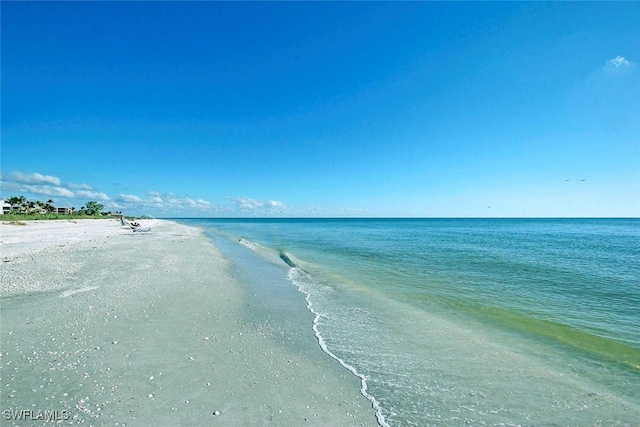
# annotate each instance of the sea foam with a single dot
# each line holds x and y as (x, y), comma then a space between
(70, 292)
(301, 278)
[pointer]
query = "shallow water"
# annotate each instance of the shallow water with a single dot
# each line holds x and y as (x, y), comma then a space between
(490, 322)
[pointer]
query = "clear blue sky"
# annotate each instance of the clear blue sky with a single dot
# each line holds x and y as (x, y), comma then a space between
(324, 109)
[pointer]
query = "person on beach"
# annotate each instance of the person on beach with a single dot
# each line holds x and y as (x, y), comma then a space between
(124, 222)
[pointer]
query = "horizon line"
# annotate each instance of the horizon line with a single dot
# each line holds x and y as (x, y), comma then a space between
(407, 217)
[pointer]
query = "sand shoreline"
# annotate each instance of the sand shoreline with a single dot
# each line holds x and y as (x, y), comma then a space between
(63, 245)
(122, 328)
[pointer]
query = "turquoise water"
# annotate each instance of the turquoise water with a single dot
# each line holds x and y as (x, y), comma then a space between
(468, 321)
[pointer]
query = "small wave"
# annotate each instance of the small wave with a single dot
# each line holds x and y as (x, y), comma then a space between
(70, 292)
(294, 277)
(249, 244)
(264, 252)
(269, 254)
(284, 257)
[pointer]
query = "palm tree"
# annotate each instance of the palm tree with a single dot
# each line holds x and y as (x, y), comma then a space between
(24, 203)
(94, 208)
(19, 201)
(13, 201)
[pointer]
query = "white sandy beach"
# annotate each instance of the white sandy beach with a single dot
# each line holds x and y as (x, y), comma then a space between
(110, 327)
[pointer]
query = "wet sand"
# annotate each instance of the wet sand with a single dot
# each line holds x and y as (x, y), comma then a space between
(103, 326)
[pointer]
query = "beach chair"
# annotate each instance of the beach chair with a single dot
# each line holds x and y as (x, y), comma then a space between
(135, 228)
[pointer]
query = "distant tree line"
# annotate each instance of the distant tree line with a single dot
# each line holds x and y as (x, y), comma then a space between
(22, 206)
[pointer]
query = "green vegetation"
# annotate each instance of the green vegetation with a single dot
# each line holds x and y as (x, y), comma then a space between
(23, 209)
(39, 216)
(94, 208)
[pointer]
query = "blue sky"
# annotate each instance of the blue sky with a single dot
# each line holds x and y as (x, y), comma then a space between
(214, 109)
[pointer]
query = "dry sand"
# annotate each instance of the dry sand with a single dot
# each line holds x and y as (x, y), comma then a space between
(110, 327)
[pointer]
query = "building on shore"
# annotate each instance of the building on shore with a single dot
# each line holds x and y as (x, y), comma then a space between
(9, 209)
(6, 207)
(63, 211)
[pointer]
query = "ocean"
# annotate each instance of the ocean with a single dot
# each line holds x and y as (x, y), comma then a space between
(459, 321)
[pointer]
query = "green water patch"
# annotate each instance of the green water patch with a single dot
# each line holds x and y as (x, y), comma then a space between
(532, 325)
(586, 354)
(590, 343)
(595, 345)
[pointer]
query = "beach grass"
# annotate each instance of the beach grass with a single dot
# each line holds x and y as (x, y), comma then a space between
(15, 222)
(13, 217)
